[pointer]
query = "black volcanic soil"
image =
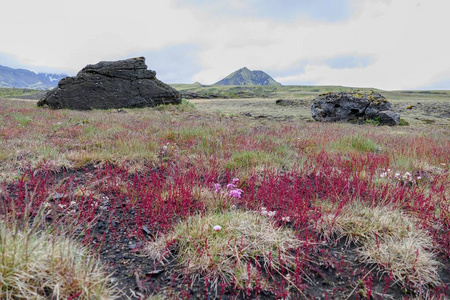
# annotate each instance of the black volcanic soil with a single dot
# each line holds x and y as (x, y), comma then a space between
(119, 242)
(338, 275)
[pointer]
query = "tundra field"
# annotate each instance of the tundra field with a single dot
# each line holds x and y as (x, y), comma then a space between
(238, 196)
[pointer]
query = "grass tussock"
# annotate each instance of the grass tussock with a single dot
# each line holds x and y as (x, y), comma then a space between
(246, 245)
(389, 238)
(43, 266)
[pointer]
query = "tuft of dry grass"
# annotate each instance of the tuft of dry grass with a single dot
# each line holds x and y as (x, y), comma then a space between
(48, 266)
(409, 259)
(157, 297)
(246, 244)
(387, 237)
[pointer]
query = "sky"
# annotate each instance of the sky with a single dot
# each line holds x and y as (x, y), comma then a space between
(386, 44)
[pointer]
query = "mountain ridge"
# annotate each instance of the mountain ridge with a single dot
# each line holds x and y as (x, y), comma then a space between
(22, 78)
(245, 76)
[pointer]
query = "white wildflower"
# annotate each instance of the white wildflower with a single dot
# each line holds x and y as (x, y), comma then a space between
(286, 219)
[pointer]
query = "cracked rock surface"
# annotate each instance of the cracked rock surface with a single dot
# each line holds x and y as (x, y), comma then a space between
(111, 84)
(355, 106)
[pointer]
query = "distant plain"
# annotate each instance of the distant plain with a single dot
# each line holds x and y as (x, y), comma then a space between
(416, 107)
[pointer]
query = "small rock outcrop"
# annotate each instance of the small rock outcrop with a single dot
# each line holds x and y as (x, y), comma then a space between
(355, 106)
(111, 84)
(292, 102)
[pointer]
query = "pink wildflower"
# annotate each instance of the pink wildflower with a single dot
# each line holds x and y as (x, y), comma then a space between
(236, 193)
(263, 211)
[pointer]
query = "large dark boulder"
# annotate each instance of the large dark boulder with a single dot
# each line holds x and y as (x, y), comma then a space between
(111, 84)
(355, 106)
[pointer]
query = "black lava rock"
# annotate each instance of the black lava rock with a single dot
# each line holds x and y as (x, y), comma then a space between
(111, 84)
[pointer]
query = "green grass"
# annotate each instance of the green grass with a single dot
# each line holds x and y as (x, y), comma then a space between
(247, 160)
(22, 120)
(185, 105)
(17, 92)
(355, 143)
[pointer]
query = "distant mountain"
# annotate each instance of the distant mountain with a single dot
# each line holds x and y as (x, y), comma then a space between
(21, 78)
(245, 76)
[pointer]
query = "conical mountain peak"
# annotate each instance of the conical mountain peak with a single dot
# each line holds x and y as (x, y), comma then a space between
(245, 76)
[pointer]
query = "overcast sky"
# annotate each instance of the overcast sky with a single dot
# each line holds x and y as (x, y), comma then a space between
(387, 44)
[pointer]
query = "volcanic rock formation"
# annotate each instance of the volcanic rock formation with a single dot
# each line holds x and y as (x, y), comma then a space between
(355, 106)
(111, 84)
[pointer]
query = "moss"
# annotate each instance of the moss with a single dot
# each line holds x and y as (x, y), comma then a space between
(403, 122)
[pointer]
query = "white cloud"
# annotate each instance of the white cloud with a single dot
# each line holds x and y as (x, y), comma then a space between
(405, 38)
(70, 34)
